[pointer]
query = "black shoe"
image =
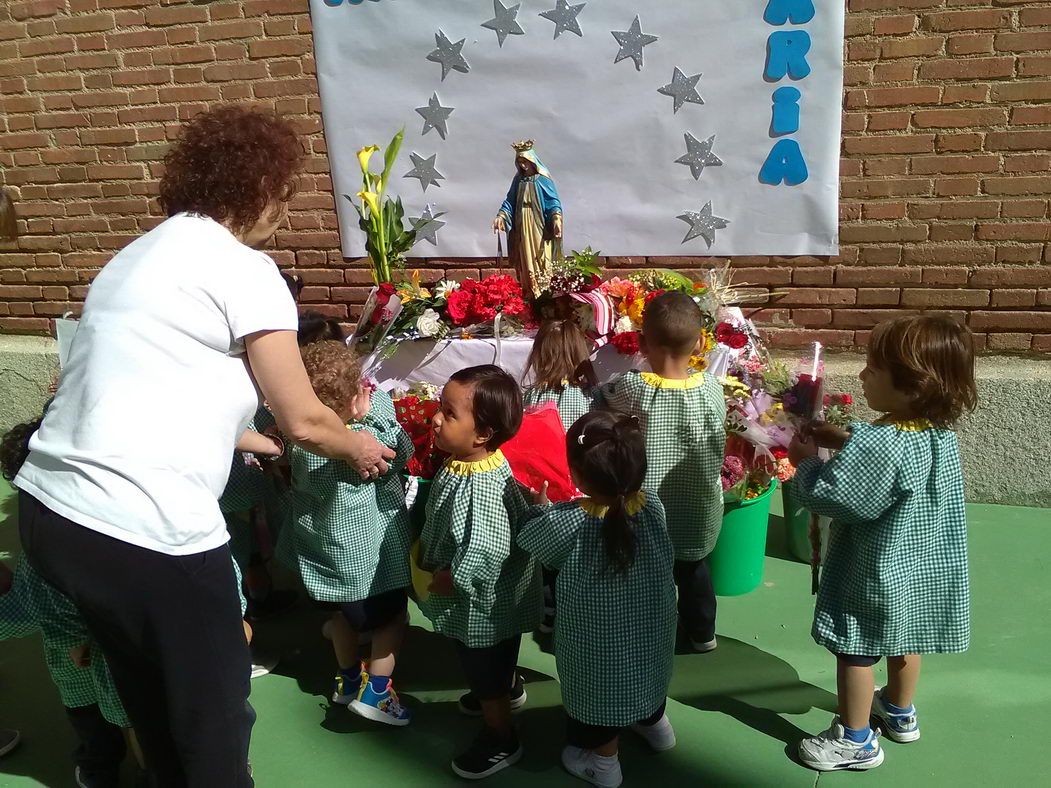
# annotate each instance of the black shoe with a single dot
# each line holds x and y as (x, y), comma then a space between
(487, 755)
(471, 706)
(273, 604)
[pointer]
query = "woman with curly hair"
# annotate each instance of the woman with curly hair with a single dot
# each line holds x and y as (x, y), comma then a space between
(182, 333)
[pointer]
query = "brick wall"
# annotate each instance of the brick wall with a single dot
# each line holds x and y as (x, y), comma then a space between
(945, 170)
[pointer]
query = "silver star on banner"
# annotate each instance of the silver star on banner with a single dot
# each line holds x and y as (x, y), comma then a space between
(683, 89)
(505, 22)
(703, 224)
(424, 170)
(564, 16)
(631, 43)
(448, 54)
(427, 225)
(699, 155)
(435, 116)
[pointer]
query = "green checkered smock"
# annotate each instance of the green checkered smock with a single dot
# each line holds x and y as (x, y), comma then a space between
(685, 426)
(472, 515)
(572, 401)
(895, 579)
(34, 605)
(614, 633)
(247, 483)
(349, 536)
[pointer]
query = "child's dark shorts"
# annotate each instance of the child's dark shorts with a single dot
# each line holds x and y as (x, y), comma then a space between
(375, 612)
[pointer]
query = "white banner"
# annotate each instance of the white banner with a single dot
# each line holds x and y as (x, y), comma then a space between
(707, 127)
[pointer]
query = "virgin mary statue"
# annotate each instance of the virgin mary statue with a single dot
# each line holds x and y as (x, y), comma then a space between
(532, 218)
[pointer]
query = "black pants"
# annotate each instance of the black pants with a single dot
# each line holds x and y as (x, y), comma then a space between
(490, 671)
(591, 737)
(100, 746)
(170, 627)
(696, 599)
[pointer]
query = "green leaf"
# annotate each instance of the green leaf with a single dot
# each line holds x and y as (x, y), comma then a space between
(390, 155)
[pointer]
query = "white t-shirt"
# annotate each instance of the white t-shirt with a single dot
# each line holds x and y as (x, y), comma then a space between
(138, 440)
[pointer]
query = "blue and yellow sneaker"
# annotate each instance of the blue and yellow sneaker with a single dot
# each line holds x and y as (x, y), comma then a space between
(832, 751)
(901, 728)
(380, 706)
(345, 689)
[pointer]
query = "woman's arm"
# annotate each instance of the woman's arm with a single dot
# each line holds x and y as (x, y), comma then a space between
(278, 370)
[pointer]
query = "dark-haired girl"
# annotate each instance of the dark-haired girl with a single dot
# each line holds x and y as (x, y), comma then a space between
(894, 583)
(616, 596)
(486, 589)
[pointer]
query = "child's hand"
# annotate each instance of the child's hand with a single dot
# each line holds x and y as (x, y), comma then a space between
(800, 449)
(442, 583)
(540, 498)
(7, 577)
(826, 435)
(81, 655)
(359, 406)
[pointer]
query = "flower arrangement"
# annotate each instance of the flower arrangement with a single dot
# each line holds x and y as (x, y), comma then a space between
(415, 411)
(382, 218)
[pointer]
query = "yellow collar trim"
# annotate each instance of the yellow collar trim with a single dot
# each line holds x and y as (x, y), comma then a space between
(909, 425)
(655, 380)
(490, 463)
(633, 504)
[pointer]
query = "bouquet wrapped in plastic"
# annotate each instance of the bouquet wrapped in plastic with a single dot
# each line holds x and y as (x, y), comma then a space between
(537, 454)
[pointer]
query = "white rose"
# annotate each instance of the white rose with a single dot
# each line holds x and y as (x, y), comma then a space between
(623, 325)
(429, 323)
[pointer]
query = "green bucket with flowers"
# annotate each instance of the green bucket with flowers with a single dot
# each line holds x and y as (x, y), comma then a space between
(736, 563)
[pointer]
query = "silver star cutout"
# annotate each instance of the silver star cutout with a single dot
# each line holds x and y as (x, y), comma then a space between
(699, 155)
(683, 89)
(435, 116)
(427, 225)
(564, 16)
(505, 22)
(448, 54)
(703, 224)
(424, 170)
(631, 43)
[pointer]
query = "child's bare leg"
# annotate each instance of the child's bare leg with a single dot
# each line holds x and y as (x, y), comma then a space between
(855, 685)
(903, 673)
(133, 745)
(248, 630)
(497, 715)
(609, 748)
(386, 642)
(344, 642)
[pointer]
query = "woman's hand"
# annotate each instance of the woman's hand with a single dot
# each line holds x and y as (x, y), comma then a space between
(499, 225)
(442, 583)
(826, 435)
(801, 449)
(556, 225)
(277, 366)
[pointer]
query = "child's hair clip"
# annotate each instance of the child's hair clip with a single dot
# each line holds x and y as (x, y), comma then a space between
(580, 439)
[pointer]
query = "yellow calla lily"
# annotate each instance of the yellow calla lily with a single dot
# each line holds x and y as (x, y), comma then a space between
(369, 198)
(364, 155)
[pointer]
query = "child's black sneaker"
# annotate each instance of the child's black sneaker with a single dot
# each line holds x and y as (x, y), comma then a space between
(489, 754)
(470, 705)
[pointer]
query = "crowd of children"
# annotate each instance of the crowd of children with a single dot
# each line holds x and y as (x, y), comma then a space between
(617, 569)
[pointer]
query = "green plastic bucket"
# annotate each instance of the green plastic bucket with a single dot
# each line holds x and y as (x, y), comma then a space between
(797, 523)
(737, 561)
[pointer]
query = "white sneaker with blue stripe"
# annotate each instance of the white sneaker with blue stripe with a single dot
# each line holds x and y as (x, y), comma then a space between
(832, 751)
(901, 728)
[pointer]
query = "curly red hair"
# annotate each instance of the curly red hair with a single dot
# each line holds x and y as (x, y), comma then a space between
(334, 372)
(230, 163)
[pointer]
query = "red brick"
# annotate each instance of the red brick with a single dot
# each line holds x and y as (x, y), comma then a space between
(1013, 298)
(959, 118)
(1022, 42)
(878, 276)
(1022, 276)
(968, 68)
(1034, 66)
(176, 15)
(1023, 209)
(955, 297)
(894, 97)
(279, 47)
(229, 30)
(878, 296)
(974, 44)
(1018, 140)
(945, 276)
(866, 318)
(927, 165)
(1015, 231)
(1030, 162)
(898, 143)
(1011, 321)
(958, 142)
(967, 20)
(909, 47)
(1038, 185)
(1022, 91)
(1009, 342)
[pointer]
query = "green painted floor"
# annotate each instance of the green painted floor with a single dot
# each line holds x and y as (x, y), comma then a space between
(738, 712)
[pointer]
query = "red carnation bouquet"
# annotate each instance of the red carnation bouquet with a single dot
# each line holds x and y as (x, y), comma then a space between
(415, 413)
(480, 302)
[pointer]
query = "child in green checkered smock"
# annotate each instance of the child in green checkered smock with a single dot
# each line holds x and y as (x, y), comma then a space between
(486, 589)
(88, 694)
(559, 370)
(683, 416)
(615, 628)
(894, 583)
(349, 537)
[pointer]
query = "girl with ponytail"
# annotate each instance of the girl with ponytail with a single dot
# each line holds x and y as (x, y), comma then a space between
(615, 595)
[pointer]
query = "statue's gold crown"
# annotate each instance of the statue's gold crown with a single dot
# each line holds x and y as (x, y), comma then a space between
(522, 147)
